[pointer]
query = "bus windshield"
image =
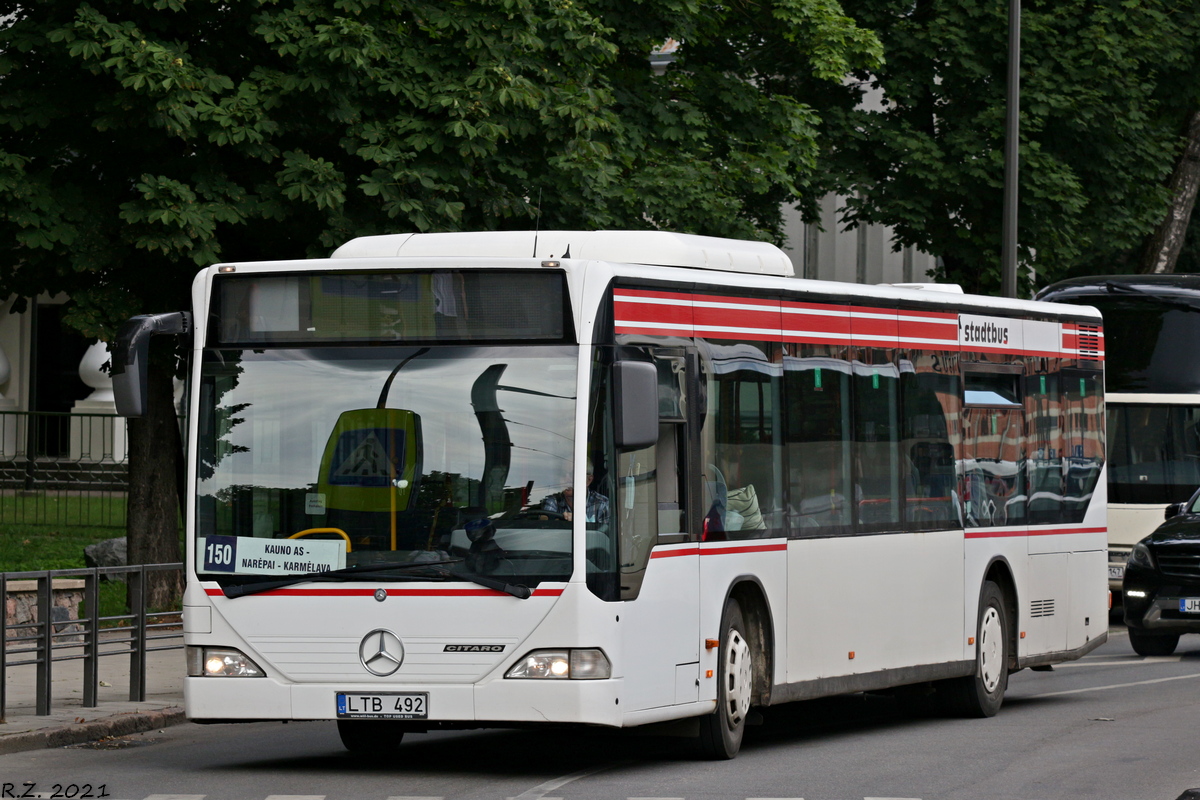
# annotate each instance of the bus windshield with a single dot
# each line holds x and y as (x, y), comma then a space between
(316, 458)
(1142, 336)
(1153, 452)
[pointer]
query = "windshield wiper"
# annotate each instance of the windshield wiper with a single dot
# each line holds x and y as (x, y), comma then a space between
(517, 590)
(384, 569)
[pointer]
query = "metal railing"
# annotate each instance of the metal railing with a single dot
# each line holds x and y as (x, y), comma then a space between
(47, 641)
(63, 469)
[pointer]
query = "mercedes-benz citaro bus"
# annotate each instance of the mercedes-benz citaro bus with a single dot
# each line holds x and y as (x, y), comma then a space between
(1153, 400)
(618, 479)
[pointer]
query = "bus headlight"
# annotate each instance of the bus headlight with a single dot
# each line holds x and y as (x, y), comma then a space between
(581, 664)
(221, 662)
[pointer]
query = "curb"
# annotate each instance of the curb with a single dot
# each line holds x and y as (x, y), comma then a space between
(120, 725)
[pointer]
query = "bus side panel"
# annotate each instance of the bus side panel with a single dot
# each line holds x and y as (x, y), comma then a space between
(721, 566)
(868, 603)
(985, 548)
(661, 637)
(1045, 605)
(1088, 597)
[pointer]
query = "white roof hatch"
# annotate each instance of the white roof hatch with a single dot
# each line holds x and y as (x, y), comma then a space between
(659, 248)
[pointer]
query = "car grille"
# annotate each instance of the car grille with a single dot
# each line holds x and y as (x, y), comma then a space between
(1181, 565)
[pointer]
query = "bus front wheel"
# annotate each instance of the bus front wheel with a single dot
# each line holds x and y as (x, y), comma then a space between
(370, 738)
(981, 694)
(721, 731)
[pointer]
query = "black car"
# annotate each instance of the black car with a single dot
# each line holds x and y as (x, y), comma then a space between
(1161, 589)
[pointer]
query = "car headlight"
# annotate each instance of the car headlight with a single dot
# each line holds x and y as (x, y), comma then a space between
(1141, 557)
(221, 662)
(579, 664)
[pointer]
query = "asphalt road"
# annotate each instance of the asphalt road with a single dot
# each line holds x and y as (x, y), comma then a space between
(1110, 726)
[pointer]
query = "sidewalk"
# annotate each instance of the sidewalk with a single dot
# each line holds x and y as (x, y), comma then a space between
(114, 715)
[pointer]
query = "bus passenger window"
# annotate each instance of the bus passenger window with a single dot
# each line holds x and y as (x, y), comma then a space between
(993, 480)
(817, 441)
(742, 441)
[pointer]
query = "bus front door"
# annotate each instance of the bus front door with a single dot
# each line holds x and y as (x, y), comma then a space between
(659, 558)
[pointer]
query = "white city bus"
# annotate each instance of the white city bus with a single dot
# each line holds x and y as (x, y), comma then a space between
(782, 489)
(1153, 397)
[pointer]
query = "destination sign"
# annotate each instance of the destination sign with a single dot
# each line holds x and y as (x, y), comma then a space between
(251, 555)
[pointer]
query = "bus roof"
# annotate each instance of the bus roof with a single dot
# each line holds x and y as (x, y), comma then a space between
(1178, 286)
(655, 248)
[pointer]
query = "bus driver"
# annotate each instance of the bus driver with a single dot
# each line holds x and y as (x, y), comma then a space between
(563, 503)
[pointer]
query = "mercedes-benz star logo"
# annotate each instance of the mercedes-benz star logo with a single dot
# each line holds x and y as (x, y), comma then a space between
(381, 652)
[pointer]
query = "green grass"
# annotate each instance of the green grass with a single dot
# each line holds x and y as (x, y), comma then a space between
(56, 508)
(25, 547)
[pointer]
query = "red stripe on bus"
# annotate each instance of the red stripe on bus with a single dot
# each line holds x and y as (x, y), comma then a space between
(801, 306)
(765, 320)
(1058, 531)
(627, 313)
(749, 548)
(911, 329)
(1030, 532)
(683, 551)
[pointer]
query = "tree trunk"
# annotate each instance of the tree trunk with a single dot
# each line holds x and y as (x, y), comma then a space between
(152, 521)
(1163, 248)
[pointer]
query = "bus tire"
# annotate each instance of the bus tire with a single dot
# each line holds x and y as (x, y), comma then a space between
(982, 694)
(1153, 644)
(721, 731)
(370, 738)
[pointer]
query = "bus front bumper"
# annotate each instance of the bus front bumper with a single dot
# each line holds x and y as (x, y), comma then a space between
(494, 703)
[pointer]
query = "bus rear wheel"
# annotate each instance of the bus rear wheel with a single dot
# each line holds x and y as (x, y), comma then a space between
(721, 731)
(370, 738)
(982, 694)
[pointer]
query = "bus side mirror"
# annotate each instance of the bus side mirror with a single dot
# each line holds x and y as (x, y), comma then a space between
(129, 359)
(635, 390)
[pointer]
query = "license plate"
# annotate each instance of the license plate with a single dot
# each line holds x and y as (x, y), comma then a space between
(1189, 605)
(1116, 572)
(383, 705)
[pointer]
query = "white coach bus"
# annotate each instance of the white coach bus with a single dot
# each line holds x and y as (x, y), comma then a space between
(1153, 400)
(622, 478)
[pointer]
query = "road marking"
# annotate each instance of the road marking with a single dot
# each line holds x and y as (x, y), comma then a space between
(1115, 686)
(1132, 660)
(539, 792)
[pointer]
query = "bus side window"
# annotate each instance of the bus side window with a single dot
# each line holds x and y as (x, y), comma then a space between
(1083, 410)
(993, 479)
(817, 441)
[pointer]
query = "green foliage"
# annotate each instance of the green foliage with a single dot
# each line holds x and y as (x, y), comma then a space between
(140, 140)
(25, 548)
(1105, 87)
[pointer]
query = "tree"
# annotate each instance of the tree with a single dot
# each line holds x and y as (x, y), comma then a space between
(140, 140)
(918, 144)
(1166, 243)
